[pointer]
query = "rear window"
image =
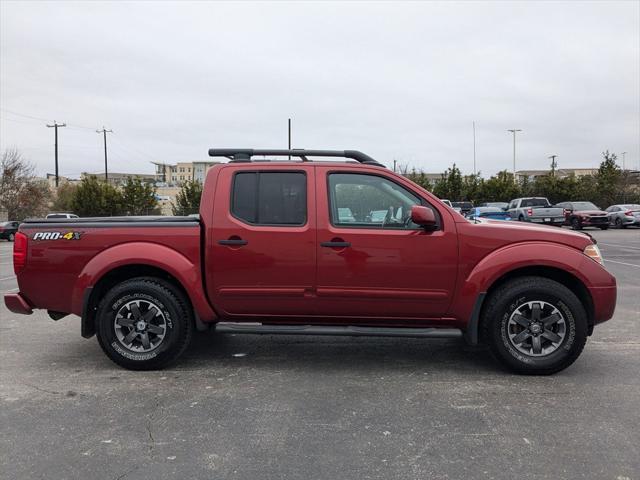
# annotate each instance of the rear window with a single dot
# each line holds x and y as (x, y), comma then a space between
(270, 198)
(535, 202)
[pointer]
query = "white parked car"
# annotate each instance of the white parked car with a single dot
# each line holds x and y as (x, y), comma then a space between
(62, 215)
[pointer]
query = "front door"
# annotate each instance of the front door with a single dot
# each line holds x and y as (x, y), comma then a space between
(261, 253)
(373, 262)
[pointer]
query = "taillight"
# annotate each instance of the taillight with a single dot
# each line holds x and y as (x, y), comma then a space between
(566, 212)
(628, 213)
(19, 252)
(530, 211)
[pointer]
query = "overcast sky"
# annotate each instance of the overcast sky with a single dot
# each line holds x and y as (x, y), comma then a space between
(396, 80)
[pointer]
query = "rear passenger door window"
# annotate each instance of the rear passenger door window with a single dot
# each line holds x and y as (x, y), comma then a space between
(270, 198)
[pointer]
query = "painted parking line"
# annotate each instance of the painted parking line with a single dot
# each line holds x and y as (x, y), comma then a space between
(623, 263)
(11, 290)
(7, 278)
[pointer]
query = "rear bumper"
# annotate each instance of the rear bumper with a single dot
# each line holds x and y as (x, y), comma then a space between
(544, 220)
(16, 303)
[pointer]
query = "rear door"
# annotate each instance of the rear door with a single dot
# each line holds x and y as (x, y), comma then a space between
(262, 255)
(374, 263)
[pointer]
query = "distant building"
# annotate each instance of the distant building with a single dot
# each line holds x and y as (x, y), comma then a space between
(174, 174)
(119, 179)
(51, 180)
(560, 173)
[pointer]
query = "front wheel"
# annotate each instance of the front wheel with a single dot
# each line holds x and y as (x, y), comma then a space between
(12, 237)
(144, 323)
(535, 325)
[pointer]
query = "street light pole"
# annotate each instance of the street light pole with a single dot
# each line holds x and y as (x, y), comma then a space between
(514, 130)
(623, 160)
(474, 150)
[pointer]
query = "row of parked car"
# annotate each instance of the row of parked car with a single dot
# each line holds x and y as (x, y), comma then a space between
(578, 215)
(8, 229)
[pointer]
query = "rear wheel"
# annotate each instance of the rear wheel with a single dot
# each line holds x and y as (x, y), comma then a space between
(619, 223)
(535, 325)
(575, 224)
(144, 323)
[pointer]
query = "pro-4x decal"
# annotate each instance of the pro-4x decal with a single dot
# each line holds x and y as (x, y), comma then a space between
(57, 235)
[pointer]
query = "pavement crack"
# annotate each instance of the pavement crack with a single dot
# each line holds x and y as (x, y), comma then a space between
(52, 392)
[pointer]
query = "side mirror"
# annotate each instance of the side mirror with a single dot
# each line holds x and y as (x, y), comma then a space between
(423, 216)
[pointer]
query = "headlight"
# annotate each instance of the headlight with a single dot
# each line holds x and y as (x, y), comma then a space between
(592, 251)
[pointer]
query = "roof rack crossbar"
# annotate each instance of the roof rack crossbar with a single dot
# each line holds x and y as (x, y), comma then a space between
(245, 154)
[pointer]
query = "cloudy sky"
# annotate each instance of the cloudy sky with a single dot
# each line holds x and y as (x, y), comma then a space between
(397, 80)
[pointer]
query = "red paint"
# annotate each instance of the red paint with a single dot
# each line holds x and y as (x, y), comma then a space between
(412, 277)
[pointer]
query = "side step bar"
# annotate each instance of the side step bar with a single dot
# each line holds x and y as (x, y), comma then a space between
(351, 331)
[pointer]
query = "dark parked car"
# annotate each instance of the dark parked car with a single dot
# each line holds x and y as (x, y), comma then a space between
(488, 213)
(465, 207)
(624, 215)
(8, 230)
(500, 205)
(584, 214)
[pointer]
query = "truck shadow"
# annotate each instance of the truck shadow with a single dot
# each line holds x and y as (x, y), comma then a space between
(335, 353)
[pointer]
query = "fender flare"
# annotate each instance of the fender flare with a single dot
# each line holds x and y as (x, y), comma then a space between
(142, 253)
(474, 288)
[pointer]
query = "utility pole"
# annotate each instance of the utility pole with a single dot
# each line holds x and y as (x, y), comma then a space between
(554, 164)
(514, 130)
(475, 172)
(55, 126)
(394, 164)
(104, 132)
(289, 130)
(623, 160)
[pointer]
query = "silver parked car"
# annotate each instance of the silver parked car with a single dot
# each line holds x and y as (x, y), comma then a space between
(624, 215)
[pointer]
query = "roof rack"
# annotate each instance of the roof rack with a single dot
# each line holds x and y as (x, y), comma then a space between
(245, 154)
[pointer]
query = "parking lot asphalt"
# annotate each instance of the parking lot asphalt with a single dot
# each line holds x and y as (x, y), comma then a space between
(280, 407)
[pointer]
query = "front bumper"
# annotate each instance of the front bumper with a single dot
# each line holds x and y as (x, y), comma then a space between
(604, 303)
(594, 222)
(16, 303)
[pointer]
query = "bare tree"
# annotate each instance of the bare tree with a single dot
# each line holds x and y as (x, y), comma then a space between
(22, 194)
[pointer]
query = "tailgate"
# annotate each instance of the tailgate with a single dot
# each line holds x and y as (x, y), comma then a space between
(547, 212)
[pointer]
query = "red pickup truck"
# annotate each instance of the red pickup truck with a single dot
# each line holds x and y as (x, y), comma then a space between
(315, 247)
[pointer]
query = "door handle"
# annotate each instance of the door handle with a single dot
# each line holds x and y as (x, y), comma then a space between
(233, 241)
(335, 244)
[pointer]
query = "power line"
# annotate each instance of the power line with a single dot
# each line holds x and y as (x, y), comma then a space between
(104, 132)
(55, 127)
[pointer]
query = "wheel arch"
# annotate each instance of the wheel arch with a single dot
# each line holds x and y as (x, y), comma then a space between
(139, 259)
(554, 261)
(563, 277)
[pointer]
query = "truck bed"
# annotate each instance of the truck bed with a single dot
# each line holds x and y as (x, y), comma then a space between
(64, 252)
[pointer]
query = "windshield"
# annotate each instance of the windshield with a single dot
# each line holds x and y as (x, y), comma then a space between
(579, 206)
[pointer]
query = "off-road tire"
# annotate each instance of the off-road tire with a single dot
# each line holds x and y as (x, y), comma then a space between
(172, 305)
(512, 295)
